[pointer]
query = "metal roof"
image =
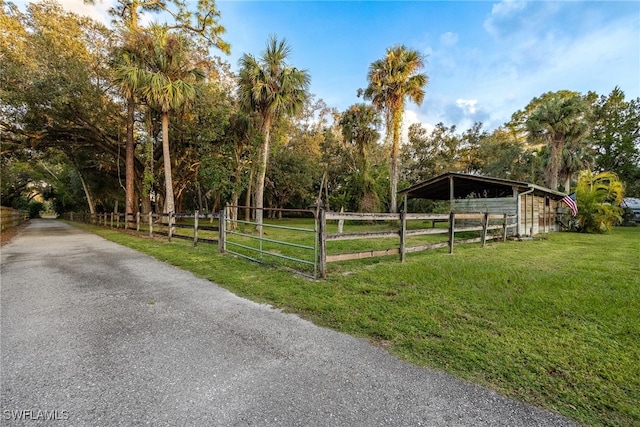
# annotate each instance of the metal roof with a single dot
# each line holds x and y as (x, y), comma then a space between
(631, 202)
(464, 185)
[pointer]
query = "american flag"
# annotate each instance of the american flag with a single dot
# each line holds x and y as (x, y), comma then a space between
(570, 201)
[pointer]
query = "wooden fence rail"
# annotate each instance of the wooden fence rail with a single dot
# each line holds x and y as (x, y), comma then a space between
(481, 223)
(469, 222)
(10, 217)
(154, 224)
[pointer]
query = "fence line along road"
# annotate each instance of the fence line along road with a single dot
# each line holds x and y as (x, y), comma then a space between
(155, 224)
(310, 258)
(10, 217)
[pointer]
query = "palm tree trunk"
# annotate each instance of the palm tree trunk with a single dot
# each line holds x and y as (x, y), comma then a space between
(247, 200)
(130, 206)
(266, 128)
(567, 184)
(554, 164)
(168, 182)
(395, 142)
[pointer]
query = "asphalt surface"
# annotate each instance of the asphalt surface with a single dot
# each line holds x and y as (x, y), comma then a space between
(96, 334)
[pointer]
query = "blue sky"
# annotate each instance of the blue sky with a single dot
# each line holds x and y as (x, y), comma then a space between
(485, 59)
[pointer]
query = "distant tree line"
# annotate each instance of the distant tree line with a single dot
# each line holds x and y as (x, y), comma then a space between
(133, 118)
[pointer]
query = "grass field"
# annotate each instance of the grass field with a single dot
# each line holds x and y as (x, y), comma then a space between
(554, 321)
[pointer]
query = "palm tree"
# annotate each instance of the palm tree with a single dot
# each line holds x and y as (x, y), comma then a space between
(559, 121)
(574, 159)
(393, 79)
(270, 87)
(126, 70)
(167, 81)
(207, 29)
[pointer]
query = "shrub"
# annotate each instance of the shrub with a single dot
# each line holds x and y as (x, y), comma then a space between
(35, 208)
(598, 197)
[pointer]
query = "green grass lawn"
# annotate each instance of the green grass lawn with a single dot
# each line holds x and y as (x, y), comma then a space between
(554, 321)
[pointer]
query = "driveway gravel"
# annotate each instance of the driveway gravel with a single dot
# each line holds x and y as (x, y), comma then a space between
(96, 334)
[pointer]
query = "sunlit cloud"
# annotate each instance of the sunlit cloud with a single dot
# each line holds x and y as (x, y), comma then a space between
(98, 11)
(501, 12)
(409, 118)
(467, 105)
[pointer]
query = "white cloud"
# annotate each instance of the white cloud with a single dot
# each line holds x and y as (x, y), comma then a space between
(535, 60)
(467, 105)
(98, 11)
(596, 61)
(501, 12)
(448, 39)
(507, 7)
(410, 117)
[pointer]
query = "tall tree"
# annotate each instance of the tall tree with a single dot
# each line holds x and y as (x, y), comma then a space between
(126, 68)
(430, 153)
(167, 82)
(393, 79)
(202, 23)
(359, 127)
(270, 87)
(290, 178)
(574, 159)
(558, 121)
(55, 87)
(504, 154)
(616, 138)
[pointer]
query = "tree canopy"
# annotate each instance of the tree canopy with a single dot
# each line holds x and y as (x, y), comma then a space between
(86, 110)
(392, 80)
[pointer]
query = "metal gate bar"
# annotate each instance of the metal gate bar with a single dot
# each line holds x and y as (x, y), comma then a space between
(262, 252)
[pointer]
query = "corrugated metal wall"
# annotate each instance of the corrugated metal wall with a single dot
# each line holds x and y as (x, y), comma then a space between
(537, 213)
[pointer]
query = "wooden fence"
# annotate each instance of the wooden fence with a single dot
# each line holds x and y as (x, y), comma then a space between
(483, 226)
(169, 225)
(457, 223)
(10, 217)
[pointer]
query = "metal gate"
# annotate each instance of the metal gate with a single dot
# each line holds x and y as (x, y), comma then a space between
(296, 247)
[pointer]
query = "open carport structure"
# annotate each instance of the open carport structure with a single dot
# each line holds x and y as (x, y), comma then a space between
(536, 207)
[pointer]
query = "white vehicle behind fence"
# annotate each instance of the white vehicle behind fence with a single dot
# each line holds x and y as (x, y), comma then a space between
(633, 204)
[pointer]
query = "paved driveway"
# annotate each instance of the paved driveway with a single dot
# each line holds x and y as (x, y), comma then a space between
(96, 334)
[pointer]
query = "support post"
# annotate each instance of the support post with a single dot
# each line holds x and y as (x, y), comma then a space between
(403, 234)
(341, 222)
(524, 231)
(170, 226)
(485, 224)
(322, 237)
(504, 228)
(533, 216)
(452, 227)
(150, 224)
(138, 221)
(222, 244)
(195, 228)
